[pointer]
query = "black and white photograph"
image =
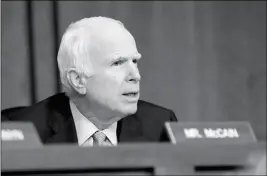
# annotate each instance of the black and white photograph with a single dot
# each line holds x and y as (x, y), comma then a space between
(133, 88)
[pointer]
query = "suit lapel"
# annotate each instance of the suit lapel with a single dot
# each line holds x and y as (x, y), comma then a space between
(62, 123)
(129, 129)
(66, 133)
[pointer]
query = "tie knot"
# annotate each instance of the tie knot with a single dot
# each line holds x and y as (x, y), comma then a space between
(99, 138)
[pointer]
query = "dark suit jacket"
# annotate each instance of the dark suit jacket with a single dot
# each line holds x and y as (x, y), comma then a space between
(54, 122)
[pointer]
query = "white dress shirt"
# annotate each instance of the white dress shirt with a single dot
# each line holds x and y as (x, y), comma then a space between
(85, 128)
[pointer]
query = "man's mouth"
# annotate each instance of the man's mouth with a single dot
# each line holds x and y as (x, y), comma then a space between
(131, 94)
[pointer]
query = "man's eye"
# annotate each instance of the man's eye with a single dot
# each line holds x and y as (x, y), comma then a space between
(135, 61)
(119, 62)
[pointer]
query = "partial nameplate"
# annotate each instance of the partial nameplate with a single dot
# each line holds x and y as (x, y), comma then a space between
(19, 135)
(228, 132)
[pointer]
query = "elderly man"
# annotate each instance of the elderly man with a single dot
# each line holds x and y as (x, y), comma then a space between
(98, 61)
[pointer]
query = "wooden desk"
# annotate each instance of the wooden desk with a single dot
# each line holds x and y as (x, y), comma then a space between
(143, 159)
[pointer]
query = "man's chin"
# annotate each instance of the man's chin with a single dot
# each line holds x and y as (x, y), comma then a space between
(129, 110)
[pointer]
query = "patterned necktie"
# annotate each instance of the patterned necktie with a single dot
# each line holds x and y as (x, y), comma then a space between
(100, 139)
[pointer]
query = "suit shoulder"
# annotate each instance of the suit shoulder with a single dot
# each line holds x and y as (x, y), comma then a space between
(148, 105)
(146, 110)
(43, 113)
(40, 108)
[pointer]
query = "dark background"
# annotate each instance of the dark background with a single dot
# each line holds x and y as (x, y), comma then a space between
(204, 60)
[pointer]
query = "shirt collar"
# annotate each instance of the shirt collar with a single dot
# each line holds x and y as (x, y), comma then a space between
(85, 128)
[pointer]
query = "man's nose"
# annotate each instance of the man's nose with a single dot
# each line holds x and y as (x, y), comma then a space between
(133, 74)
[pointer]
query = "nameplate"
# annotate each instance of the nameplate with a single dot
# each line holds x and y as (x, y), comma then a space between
(232, 132)
(18, 135)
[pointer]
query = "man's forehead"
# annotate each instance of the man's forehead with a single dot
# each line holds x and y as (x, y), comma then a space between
(120, 47)
(114, 43)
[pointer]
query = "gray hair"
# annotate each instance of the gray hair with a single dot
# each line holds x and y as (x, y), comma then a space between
(74, 49)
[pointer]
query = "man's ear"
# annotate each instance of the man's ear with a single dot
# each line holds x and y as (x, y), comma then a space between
(77, 81)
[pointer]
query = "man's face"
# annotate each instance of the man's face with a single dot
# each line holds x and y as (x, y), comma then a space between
(114, 86)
